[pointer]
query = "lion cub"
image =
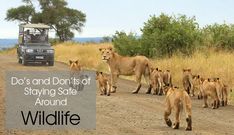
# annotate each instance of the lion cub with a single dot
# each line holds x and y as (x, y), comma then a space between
(196, 86)
(209, 88)
(159, 79)
(104, 85)
(177, 100)
(167, 79)
(156, 80)
(75, 65)
(222, 91)
(187, 81)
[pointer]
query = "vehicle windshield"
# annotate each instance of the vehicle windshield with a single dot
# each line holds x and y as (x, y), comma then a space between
(35, 35)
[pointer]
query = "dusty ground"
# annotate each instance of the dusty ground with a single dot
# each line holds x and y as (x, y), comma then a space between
(126, 114)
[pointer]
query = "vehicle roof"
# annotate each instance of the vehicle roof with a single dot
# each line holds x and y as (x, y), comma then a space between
(39, 25)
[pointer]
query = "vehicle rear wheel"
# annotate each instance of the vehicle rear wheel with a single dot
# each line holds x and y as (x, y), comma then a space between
(51, 63)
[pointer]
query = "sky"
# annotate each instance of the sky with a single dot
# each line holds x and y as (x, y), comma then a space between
(105, 17)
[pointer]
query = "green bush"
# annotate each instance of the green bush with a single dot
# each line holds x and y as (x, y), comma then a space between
(126, 44)
(166, 35)
(220, 36)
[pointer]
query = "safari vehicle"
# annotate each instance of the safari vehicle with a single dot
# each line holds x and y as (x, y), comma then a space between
(33, 45)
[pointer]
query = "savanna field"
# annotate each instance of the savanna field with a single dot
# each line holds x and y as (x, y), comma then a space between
(206, 63)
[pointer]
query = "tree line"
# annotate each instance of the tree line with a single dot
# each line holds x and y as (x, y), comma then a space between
(166, 35)
(55, 13)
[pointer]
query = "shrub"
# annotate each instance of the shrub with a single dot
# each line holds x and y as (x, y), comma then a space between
(165, 35)
(126, 44)
(220, 36)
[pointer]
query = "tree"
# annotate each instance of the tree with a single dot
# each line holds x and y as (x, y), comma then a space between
(219, 36)
(165, 35)
(106, 39)
(55, 13)
(126, 44)
(22, 14)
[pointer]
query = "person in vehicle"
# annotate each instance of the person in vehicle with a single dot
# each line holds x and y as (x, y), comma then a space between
(27, 36)
(43, 36)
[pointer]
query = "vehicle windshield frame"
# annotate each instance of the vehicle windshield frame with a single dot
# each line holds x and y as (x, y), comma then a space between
(33, 34)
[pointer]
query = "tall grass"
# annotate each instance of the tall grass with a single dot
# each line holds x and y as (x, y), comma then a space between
(10, 51)
(87, 54)
(206, 63)
(212, 65)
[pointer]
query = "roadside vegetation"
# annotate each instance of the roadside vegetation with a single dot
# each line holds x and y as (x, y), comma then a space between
(55, 13)
(171, 42)
(207, 63)
(166, 36)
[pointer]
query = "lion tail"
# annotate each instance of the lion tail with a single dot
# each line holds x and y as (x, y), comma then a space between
(147, 68)
(146, 72)
(181, 107)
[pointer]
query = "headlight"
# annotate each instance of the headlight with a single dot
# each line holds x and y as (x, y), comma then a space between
(50, 51)
(29, 50)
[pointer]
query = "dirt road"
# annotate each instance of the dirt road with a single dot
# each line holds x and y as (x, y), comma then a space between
(126, 114)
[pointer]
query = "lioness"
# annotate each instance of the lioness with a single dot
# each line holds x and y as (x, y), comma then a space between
(156, 81)
(187, 81)
(121, 65)
(222, 91)
(104, 85)
(208, 88)
(177, 100)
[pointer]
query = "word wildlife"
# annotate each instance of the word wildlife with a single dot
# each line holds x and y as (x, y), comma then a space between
(55, 118)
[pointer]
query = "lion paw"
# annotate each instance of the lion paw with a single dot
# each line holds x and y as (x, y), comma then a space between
(168, 122)
(176, 126)
(222, 103)
(113, 91)
(134, 92)
(192, 95)
(205, 106)
(188, 129)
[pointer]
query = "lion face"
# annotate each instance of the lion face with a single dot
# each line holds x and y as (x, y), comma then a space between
(74, 65)
(106, 53)
(187, 72)
(99, 75)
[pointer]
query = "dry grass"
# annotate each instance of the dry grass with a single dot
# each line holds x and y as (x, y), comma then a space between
(88, 54)
(11, 51)
(212, 65)
(206, 63)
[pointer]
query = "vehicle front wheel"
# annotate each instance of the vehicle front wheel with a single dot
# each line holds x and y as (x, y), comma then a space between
(19, 61)
(51, 63)
(24, 62)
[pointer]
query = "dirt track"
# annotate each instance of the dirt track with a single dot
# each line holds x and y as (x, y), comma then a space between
(124, 113)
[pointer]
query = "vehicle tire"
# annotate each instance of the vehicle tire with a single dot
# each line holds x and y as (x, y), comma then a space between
(24, 62)
(19, 61)
(51, 63)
